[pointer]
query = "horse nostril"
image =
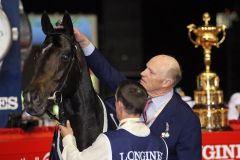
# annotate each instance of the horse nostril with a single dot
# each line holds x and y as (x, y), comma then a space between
(26, 97)
(34, 94)
(30, 96)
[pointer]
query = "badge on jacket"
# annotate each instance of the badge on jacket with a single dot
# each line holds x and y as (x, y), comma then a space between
(166, 133)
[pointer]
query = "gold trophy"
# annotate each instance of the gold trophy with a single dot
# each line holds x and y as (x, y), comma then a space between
(209, 102)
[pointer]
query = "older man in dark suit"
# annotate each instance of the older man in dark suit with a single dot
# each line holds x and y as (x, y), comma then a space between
(167, 114)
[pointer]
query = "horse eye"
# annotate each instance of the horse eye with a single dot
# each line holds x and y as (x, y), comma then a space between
(65, 57)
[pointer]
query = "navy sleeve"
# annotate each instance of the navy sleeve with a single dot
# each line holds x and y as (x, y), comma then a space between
(104, 71)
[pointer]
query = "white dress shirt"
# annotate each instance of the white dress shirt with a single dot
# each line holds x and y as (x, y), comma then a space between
(88, 50)
(101, 148)
(157, 105)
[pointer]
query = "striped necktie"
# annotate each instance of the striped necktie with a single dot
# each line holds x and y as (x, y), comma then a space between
(149, 101)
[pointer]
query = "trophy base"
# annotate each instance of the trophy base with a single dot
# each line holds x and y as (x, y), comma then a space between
(212, 117)
(226, 128)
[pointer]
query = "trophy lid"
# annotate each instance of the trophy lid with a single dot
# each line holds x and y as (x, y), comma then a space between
(210, 28)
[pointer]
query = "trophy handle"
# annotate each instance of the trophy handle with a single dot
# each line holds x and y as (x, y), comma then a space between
(222, 28)
(192, 27)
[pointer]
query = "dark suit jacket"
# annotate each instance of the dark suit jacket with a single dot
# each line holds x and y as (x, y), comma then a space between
(184, 129)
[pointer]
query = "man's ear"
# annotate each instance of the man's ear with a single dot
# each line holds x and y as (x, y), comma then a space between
(119, 105)
(167, 82)
(120, 110)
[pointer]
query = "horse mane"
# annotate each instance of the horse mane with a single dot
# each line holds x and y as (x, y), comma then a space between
(85, 100)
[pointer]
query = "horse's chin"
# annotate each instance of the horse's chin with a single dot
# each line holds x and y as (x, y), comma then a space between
(35, 110)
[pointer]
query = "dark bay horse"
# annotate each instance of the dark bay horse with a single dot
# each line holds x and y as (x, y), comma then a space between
(61, 76)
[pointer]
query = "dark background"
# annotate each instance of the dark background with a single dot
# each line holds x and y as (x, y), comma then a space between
(130, 32)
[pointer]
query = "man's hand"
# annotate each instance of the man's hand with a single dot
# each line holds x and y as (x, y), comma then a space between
(66, 130)
(81, 38)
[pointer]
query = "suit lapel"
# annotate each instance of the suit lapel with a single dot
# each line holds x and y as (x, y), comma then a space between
(165, 121)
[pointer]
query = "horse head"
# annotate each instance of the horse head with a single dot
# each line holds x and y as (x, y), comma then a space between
(61, 76)
(58, 67)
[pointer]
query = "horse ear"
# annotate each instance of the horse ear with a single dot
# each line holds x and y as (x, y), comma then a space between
(67, 23)
(46, 24)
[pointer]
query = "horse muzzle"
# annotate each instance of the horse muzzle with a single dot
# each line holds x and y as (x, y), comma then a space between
(33, 104)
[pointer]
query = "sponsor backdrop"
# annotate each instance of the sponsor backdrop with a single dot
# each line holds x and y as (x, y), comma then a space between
(10, 73)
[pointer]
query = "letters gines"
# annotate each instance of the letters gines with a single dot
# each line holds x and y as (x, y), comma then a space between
(143, 155)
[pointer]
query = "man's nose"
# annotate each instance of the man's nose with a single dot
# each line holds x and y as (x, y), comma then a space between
(143, 72)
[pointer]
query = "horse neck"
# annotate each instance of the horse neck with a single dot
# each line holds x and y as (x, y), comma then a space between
(89, 121)
(85, 86)
(83, 108)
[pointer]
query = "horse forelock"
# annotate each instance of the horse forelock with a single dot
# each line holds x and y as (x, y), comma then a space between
(46, 48)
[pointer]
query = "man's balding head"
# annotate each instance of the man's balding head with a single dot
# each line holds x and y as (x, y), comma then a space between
(162, 73)
(170, 66)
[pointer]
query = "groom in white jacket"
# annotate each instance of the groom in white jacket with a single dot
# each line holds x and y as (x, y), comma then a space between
(132, 140)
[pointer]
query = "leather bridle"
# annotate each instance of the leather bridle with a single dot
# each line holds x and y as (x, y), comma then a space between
(57, 96)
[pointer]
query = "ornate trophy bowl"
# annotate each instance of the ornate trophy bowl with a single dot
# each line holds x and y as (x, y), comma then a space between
(209, 102)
